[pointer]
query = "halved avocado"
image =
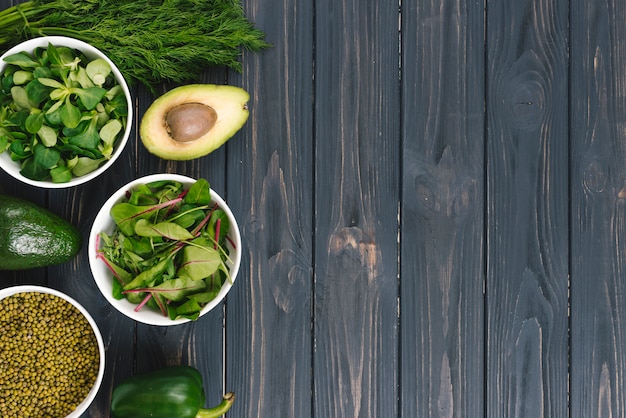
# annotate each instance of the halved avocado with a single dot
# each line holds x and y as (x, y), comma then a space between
(193, 120)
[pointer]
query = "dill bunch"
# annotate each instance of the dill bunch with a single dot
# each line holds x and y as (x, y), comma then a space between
(151, 41)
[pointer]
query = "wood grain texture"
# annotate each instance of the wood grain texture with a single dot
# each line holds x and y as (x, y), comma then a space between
(356, 211)
(598, 357)
(199, 344)
(442, 258)
(80, 205)
(527, 209)
(268, 313)
(432, 201)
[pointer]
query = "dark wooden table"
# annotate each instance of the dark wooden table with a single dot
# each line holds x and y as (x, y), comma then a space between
(429, 198)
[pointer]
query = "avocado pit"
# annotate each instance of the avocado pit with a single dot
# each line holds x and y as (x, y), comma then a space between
(193, 120)
(189, 121)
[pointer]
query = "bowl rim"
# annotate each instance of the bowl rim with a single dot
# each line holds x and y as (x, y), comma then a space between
(11, 167)
(103, 222)
(84, 405)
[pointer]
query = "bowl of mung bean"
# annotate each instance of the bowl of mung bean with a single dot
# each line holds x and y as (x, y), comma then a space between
(51, 354)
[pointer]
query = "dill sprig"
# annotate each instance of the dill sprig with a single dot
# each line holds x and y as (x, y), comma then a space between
(150, 41)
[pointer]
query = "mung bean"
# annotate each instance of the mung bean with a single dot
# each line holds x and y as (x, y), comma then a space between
(48, 356)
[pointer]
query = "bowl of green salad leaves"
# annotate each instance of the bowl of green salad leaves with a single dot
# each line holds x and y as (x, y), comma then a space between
(165, 249)
(65, 112)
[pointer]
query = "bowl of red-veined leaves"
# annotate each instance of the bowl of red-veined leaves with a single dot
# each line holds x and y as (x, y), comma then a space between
(165, 249)
(65, 112)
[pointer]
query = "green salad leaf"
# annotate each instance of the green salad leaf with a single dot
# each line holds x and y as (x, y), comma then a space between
(168, 251)
(59, 119)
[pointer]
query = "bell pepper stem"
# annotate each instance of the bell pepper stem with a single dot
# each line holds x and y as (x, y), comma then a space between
(219, 410)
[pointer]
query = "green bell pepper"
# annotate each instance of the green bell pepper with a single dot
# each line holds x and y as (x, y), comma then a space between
(170, 392)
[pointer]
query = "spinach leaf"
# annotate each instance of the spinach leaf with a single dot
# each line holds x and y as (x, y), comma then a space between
(199, 193)
(200, 260)
(126, 215)
(178, 289)
(168, 230)
(148, 277)
(190, 310)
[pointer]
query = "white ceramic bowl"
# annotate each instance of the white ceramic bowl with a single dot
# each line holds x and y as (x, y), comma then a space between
(12, 167)
(104, 278)
(82, 407)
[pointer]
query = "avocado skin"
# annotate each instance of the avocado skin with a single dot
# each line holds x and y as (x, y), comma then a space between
(31, 236)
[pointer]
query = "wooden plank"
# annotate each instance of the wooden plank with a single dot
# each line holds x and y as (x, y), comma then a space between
(357, 190)
(199, 344)
(80, 205)
(269, 184)
(527, 211)
(442, 259)
(598, 152)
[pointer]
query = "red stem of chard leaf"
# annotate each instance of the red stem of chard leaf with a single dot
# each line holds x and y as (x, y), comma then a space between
(159, 302)
(178, 199)
(101, 256)
(143, 302)
(217, 233)
(153, 208)
(198, 228)
(151, 290)
(110, 267)
(146, 299)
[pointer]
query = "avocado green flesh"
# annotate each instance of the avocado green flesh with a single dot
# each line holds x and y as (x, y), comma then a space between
(229, 104)
(31, 236)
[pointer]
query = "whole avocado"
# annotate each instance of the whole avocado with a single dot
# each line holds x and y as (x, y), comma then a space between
(31, 236)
